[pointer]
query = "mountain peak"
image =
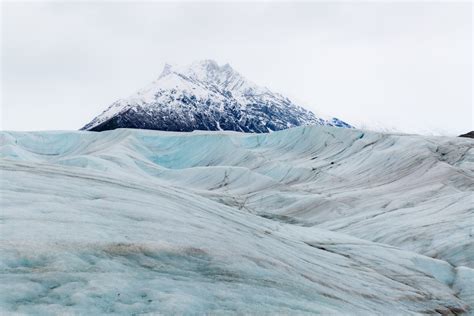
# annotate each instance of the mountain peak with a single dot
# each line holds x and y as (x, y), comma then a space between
(209, 72)
(207, 63)
(167, 69)
(205, 96)
(207, 69)
(200, 66)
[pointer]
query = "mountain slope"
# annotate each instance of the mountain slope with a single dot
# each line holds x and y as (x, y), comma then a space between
(302, 221)
(205, 96)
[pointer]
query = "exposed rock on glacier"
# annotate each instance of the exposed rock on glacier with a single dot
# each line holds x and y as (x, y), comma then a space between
(468, 135)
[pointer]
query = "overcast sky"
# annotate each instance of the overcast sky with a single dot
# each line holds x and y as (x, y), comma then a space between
(406, 66)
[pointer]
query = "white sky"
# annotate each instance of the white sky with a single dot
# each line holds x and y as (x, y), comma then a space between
(403, 65)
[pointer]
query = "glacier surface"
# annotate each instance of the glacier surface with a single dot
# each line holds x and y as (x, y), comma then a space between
(301, 221)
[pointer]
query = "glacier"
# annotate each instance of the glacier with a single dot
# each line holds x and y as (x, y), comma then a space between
(307, 220)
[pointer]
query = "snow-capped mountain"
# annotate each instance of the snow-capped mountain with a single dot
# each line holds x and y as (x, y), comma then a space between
(206, 96)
